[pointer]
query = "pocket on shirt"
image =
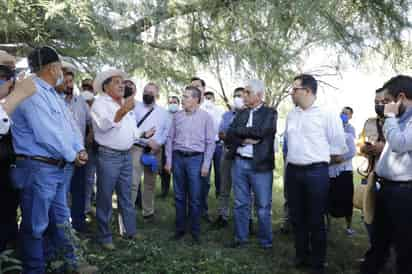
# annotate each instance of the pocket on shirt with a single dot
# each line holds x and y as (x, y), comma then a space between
(21, 174)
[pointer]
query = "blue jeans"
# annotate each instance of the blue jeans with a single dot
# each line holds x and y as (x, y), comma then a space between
(90, 174)
(44, 206)
(245, 179)
(308, 189)
(77, 190)
(187, 188)
(114, 169)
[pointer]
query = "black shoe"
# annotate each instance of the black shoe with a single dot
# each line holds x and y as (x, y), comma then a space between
(219, 223)
(178, 236)
(235, 244)
(206, 219)
(148, 218)
(196, 240)
(302, 264)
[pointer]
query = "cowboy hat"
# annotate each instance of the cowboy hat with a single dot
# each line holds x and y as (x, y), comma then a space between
(104, 75)
(7, 59)
(369, 196)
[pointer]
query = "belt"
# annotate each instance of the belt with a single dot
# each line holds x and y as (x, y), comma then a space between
(112, 149)
(389, 183)
(309, 166)
(188, 153)
(46, 160)
(244, 157)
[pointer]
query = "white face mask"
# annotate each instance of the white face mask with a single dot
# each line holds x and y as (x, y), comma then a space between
(238, 103)
(173, 108)
(208, 103)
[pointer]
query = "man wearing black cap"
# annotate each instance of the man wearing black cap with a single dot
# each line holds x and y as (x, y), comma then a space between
(45, 141)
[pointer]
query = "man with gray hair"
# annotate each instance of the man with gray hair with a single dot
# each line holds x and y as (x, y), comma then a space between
(250, 143)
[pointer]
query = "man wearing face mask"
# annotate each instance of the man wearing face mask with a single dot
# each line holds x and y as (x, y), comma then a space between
(149, 115)
(226, 163)
(12, 93)
(45, 140)
(392, 222)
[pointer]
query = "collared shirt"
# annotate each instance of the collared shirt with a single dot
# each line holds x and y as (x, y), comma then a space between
(313, 135)
(350, 129)
(42, 126)
(80, 112)
(227, 119)
(395, 162)
(4, 121)
(216, 113)
(247, 150)
(192, 132)
(121, 135)
(335, 170)
(158, 118)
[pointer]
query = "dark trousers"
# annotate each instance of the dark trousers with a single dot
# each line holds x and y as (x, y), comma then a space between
(9, 202)
(308, 189)
(164, 176)
(217, 157)
(78, 194)
(187, 188)
(392, 225)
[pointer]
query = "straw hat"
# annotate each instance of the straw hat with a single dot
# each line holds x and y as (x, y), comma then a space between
(104, 75)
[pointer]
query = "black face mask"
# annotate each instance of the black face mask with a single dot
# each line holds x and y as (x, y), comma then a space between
(379, 109)
(148, 99)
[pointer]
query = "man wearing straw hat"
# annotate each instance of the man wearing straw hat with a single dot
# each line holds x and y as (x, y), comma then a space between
(115, 132)
(393, 213)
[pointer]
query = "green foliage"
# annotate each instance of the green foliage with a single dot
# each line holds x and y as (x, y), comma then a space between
(167, 41)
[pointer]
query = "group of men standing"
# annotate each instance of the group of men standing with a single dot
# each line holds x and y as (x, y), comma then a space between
(61, 142)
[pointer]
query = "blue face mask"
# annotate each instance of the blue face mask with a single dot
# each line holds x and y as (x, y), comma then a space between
(344, 117)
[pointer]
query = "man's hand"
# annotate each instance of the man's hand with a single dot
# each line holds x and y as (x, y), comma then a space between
(204, 172)
(148, 134)
(392, 108)
(154, 146)
(81, 158)
(250, 141)
(336, 159)
(168, 168)
(377, 148)
(24, 88)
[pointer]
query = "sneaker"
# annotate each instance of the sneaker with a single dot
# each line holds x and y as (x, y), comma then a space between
(350, 232)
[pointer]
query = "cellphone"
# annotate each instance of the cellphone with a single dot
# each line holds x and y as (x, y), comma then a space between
(128, 91)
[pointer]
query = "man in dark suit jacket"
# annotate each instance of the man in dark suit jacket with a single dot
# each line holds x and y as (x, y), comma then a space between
(250, 140)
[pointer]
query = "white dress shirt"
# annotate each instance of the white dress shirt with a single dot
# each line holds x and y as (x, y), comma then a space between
(159, 118)
(4, 121)
(247, 150)
(119, 136)
(215, 112)
(313, 135)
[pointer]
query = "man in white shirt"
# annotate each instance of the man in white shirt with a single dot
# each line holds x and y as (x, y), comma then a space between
(149, 115)
(115, 131)
(315, 138)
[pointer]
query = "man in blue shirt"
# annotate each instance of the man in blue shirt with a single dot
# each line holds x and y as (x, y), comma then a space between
(392, 224)
(45, 141)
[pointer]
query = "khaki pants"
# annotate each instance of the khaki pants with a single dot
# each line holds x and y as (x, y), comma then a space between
(149, 181)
